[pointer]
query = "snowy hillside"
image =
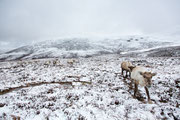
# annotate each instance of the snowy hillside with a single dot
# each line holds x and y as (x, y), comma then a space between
(89, 89)
(166, 51)
(82, 47)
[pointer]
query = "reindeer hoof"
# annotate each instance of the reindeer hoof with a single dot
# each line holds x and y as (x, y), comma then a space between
(134, 97)
(150, 102)
(130, 87)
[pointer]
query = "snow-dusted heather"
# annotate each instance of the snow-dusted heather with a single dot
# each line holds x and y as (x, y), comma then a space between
(105, 96)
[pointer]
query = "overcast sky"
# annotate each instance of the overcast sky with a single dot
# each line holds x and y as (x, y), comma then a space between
(26, 21)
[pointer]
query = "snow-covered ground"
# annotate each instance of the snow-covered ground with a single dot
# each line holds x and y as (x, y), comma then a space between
(90, 88)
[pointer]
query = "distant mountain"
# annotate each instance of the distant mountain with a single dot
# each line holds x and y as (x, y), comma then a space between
(167, 51)
(82, 47)
(173, 51)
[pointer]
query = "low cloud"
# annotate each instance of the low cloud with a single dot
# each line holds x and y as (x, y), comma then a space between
(30, 20)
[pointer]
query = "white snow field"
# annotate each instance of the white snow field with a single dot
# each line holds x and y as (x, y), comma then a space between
(87, 89)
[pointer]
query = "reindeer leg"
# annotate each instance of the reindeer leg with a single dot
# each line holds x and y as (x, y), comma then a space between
(135, 89)
(129, 74)
(122, 71)
(131, 83)
(147, 92)
(126, 73)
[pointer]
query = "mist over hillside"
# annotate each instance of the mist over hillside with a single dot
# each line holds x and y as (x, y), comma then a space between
(83, 47)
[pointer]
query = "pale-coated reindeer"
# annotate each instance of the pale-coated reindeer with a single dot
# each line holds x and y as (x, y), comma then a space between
(140, 76)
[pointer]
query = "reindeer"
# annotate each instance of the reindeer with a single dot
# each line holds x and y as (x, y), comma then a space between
(126, 66)
(71, 62)
(140, 76)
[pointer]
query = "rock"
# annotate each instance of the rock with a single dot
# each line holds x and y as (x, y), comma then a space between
(116, 102)
(2, 104)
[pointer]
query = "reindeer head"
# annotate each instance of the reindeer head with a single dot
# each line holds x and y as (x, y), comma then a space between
(131, 68)
(148, 76)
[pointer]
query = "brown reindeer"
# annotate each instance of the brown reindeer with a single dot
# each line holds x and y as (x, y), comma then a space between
(126, 66)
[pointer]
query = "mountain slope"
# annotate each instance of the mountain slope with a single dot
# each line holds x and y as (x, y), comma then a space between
(82, 47)
(166, 51)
